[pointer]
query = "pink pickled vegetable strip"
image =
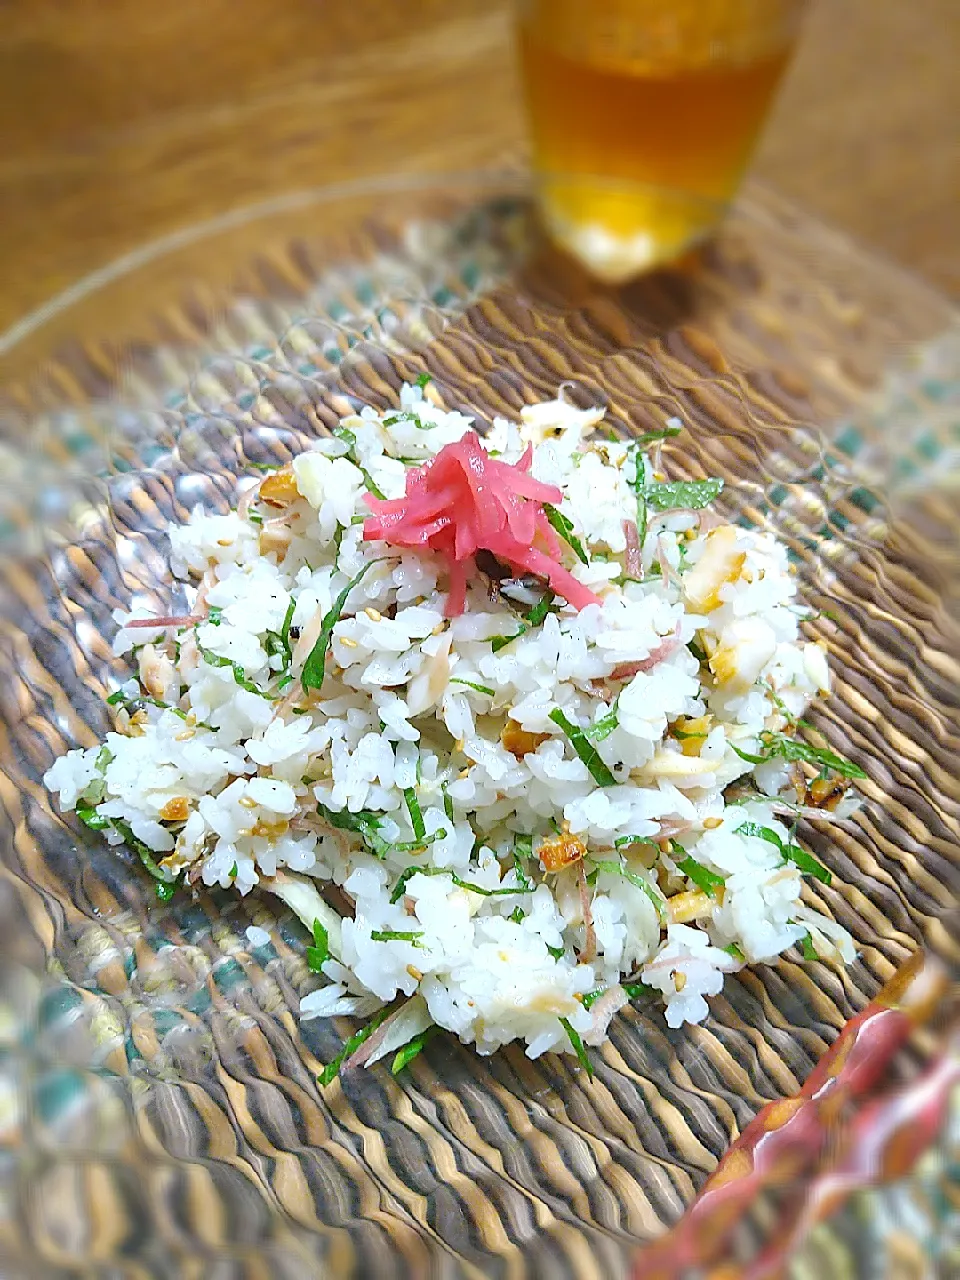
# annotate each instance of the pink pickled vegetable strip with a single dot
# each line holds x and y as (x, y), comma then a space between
(464, 501)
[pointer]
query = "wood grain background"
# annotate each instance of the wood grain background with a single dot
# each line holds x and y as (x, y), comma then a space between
(123, 121)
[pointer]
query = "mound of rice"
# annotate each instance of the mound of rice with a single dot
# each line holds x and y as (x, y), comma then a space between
(447, 833)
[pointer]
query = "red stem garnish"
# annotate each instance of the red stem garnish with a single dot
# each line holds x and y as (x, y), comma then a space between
(163, 620)
(627, 670)
(589, 933)
(631, 561)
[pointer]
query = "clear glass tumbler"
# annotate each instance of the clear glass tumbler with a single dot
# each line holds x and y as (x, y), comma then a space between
(643, 116)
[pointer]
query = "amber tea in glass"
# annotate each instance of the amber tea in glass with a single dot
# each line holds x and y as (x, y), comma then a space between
(643, 116)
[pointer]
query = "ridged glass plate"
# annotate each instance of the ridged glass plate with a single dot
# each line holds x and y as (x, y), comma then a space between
(159, 1108)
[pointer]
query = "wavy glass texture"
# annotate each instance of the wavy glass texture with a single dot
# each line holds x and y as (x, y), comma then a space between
(154, 1067)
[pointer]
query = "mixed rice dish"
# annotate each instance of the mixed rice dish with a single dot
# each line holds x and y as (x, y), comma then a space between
(510, 721)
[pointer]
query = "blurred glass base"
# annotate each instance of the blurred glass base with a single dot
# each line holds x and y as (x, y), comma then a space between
(620, 230)
(909, 1230)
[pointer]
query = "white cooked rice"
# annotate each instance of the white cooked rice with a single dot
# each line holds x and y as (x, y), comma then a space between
(396, 712)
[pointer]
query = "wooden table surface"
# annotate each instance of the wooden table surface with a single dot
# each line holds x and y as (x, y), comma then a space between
(124, 121)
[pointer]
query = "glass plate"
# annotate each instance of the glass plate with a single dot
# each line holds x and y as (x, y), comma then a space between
(159, 1102)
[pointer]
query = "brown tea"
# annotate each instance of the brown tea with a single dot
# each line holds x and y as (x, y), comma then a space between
(675, 111)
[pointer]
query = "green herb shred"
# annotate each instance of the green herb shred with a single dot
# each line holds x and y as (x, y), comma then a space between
(666, 432)
(273, 646)
(406, 1055)
(447, 801)
(90, 818)
(350, 440)
(405, 415)
(692, 494)
(634, 989)
(128, 703)
(522, 852)
(319, 953)
(397, 935)
(585, 749)
(332, 1069)
(407, 846)
(239, 675)
(314, 669)
(416, 816)
(698, 653)
(499, 642)
(365, 823)
(479, 688)
(804, 861)
(540, 610)
(372, 487)
(285, 628)
(400, 887)
(705, 879)
(96, 788)
(638, 485)
(618, 869)
(603, 727)
(564, 526)
(777, 746)
(578, 1046)
(142, 851)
